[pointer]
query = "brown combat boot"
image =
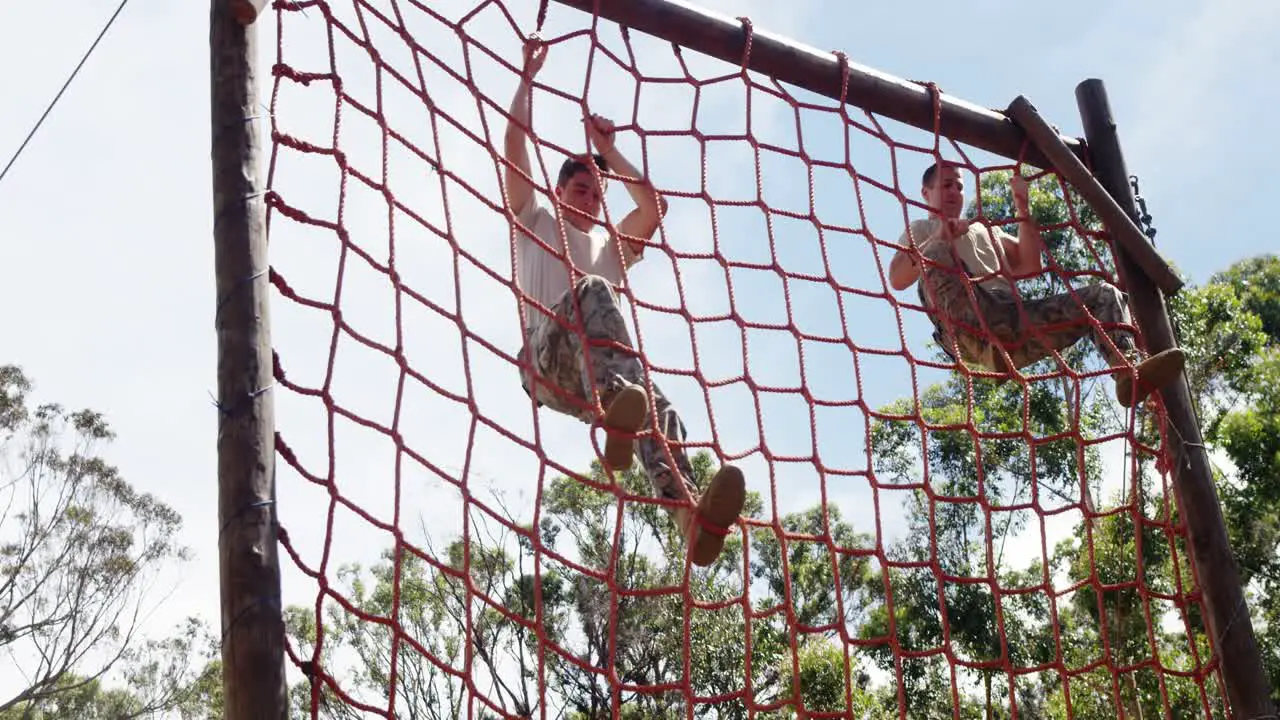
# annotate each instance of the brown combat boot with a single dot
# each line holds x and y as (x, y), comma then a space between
(707, 525)
(1154, 373)
(624, 418)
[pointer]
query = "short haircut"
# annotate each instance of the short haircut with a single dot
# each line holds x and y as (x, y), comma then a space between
(575, 165)
(927, 179)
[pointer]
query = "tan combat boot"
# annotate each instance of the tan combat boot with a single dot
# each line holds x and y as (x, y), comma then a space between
(706, 526)
(624, 418)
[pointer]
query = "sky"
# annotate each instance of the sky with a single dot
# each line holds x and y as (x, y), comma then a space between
(108, 263)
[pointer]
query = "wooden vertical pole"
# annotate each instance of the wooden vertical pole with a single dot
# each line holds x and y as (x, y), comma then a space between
(253, 674)
(1248, 690)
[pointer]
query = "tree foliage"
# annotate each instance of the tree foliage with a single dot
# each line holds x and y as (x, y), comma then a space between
(604, 598)
(80, 551)
(1235, 318)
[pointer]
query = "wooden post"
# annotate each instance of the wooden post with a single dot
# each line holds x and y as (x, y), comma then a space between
(1227, 614)
(253, 674)
(802, 66)
(1124, 229)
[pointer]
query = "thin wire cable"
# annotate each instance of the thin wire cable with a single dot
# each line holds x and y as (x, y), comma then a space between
(65, 85)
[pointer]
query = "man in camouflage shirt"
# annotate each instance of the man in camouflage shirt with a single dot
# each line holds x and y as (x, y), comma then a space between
(961, 255)
(561, 373)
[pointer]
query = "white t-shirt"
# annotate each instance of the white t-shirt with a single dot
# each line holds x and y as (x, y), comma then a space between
(977, 248)
(544, 276)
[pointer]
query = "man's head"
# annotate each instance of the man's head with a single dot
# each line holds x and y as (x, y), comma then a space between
(582, 189)
(943, 189)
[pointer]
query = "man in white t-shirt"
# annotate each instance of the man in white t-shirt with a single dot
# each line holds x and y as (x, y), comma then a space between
(961, 255)
(572, 265)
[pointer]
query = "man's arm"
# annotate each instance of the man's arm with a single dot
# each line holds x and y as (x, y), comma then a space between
(903, 269)
(642, 222)
(1026, 253)
(515, 147)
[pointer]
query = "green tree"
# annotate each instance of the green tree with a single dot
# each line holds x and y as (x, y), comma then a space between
(791, 670)
(979, 467)
(815, 579)
(441, 630)
(154, 680)
(605, 598)
(80, 550)
(1257, 283)
(1233, 326)
(1116, 617)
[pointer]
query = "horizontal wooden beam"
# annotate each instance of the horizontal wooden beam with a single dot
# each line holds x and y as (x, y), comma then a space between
(1128, 237)
(820, 72)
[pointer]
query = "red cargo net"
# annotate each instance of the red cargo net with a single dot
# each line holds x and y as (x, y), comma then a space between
(922, 539)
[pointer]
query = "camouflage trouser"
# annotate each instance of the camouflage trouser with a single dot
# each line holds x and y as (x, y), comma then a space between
(564, 382)
(1028, 333)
